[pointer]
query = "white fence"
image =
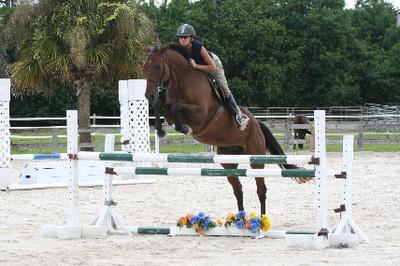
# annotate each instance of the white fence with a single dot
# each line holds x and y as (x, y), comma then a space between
(361, 125)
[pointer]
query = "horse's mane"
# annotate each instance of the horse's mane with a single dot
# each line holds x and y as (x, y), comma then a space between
(177, 47)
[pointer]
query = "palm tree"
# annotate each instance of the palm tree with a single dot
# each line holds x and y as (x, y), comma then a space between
(81, 43)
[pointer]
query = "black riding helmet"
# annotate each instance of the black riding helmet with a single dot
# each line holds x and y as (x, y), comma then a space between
(185, 30)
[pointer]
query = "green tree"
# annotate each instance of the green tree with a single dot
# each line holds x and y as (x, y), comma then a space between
(376, 70)
(5, 13)
(81, 43)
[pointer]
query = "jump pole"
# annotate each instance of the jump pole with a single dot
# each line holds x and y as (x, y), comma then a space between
(196, 158)
(5, 161)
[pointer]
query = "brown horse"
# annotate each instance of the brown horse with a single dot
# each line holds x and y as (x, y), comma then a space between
(300, 133)
(184, 96)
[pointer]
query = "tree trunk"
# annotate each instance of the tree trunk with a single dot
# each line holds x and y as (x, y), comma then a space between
(83, 96)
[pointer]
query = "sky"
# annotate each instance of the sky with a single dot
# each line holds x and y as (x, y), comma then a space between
(395, 3)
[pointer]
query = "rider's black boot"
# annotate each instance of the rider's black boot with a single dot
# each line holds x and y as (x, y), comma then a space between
(241, 119)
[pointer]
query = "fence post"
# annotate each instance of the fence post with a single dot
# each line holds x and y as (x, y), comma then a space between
(5, 151)
(54, 140)
(288, 133)
(360, 140)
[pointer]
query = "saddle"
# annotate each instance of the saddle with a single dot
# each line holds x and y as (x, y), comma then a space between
(219, 95)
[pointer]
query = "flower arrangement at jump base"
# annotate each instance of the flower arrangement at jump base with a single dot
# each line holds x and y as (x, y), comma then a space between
(202, 222)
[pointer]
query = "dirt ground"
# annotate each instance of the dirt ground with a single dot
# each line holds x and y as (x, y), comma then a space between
(376, 210)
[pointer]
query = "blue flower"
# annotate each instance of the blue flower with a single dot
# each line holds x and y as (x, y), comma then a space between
(194, 219)
(204, 226)
(254, 228)
(239, 224)
(241, 214)
(201, 214)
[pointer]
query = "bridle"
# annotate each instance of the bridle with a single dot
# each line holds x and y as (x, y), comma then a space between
(162, 84)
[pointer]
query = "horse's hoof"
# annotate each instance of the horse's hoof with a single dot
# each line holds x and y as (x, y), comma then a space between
(185, 129)
(161, 134)
(188, 130)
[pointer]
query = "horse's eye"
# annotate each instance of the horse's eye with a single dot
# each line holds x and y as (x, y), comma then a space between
(158, 66)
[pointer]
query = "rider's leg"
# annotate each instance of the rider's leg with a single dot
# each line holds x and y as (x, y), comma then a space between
(219, 75)
(241, 119)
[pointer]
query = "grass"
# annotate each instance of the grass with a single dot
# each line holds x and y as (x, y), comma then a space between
(98, 140)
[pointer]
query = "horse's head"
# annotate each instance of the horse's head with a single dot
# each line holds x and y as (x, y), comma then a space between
(157, 72)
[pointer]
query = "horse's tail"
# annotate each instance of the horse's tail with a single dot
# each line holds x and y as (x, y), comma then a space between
(273, 146)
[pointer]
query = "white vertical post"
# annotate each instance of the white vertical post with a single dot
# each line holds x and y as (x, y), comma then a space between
(5, 152)
(109, 143)
(348, 168)
(124, 110)
(156, 142)
(73, 178)
(320, 173)
(346, 232)
(138, 116)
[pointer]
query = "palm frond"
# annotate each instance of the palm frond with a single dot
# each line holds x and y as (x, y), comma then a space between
(99, 56)
(27, 74)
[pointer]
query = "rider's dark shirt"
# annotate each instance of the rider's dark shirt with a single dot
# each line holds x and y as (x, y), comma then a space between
(196, 52)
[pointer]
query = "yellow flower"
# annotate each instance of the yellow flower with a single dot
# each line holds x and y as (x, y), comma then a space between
(253, 215)
(265, 222)
(220, 221)
(199, 230)
(231, 216)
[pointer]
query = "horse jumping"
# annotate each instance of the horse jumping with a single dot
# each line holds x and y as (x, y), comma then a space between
(185, 98)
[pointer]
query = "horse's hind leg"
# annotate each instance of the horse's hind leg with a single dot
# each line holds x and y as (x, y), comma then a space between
(237, 189)
(261, 190)
(233, 180)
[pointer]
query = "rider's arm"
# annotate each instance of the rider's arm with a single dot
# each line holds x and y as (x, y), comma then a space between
(210, 67)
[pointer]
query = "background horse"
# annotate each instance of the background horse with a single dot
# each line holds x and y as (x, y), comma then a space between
(185, 98)
(300, 133)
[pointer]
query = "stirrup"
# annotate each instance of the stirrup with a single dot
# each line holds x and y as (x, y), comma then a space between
(242, 121)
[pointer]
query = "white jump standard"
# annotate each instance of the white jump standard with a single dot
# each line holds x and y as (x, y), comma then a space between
(5, 160)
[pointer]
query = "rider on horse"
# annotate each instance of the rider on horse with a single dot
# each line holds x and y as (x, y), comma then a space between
(210, 63)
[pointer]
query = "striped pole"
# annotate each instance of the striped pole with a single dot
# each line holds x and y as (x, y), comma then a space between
(217, 231)
(212, 172)
(196, 158)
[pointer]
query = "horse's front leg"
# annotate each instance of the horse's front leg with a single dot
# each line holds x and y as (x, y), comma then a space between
(158, 103)
(181, 111)
(261, 189)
